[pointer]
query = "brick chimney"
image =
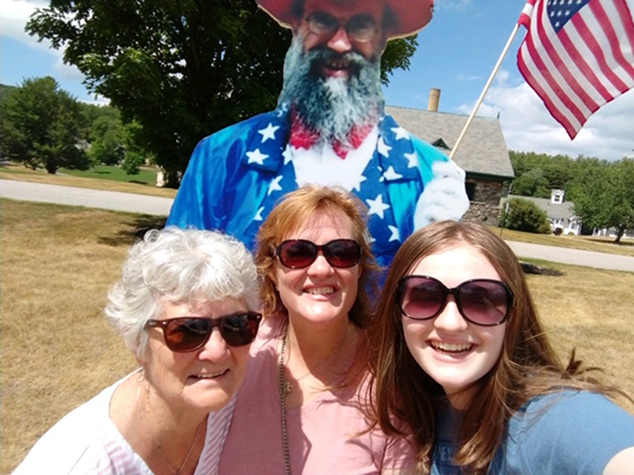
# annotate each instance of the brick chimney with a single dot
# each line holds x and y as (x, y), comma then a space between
(434, 100)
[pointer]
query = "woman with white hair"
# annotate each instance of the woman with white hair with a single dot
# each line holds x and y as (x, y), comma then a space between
(171, 415)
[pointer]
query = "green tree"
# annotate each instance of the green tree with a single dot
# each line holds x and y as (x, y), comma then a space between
(106, 141)
(524, 215)
(132, 162)
(532, 183)
(181, 68)
(538, 173)
(42, 127)
(605, 197)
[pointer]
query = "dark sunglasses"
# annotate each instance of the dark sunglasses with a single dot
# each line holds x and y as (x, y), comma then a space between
(360, 28)
(299, 253)
(485, 302)
(185, 334)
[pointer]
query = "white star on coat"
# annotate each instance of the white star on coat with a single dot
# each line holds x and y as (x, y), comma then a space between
(400, 132)
(275, 185)
(258, 215)
(377, 206)
(383, 148)
(391, 174)
(395, 234)
(257, 157)
(412, 159)
(268, 132)
(357, 185)
(287, 154)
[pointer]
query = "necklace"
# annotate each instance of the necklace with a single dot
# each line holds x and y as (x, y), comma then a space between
(282, 390)
(191, 449)
(288, 386)
(176, 471)
(285, 388)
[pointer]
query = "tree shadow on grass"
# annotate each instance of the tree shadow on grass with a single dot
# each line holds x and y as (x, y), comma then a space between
(135, 230)
(625, 242)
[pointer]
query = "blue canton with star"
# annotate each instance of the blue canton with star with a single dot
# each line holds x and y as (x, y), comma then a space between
(560, 11)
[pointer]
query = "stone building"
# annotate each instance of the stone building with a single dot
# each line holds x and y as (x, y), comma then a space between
(483, 153)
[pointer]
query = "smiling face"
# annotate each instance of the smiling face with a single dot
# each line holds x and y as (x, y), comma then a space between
(451, 350)
(204, 379)
(320, 293)
(354, 26)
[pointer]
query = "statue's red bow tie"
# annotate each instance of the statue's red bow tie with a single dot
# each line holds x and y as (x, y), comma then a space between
(303, 137)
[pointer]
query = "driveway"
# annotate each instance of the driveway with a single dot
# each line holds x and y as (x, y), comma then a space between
(157, 206)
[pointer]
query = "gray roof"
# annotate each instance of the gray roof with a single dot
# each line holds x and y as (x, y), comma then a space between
(483, 149)
(553, 210)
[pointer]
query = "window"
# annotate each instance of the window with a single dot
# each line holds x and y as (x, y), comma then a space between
(557, 197)
(471, 190)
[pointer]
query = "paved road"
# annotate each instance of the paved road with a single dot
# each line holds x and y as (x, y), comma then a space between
(597, 260)
(161, 207)
(67, 195)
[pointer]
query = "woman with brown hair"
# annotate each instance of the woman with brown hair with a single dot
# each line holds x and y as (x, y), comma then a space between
(301, 407)
(463, 357)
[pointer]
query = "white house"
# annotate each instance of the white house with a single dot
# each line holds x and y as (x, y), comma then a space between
(559, 212)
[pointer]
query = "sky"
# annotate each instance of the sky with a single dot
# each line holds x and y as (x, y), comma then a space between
(456, 54)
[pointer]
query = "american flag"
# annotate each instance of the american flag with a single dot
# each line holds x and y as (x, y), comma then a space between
(577, 55)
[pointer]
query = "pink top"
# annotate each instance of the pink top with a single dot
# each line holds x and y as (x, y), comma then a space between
(323, 434)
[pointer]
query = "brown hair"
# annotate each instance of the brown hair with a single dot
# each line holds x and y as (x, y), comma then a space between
(290, 215)
(527, 367)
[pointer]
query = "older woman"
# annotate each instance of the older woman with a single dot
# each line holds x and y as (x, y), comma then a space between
(301, 407)
(464, 356)
(185, 307)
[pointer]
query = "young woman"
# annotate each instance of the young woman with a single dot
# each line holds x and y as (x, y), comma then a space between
(300, 409)
(463, 357)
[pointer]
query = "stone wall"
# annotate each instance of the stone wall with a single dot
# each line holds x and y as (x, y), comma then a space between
(485, 204)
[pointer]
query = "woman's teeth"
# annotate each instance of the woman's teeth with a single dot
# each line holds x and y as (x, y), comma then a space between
(321, 291)
(451, 347)
(210, 376)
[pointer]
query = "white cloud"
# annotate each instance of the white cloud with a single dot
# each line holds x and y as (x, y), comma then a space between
(15, 14)
(459, 5)
(528, 126)
(67, 71)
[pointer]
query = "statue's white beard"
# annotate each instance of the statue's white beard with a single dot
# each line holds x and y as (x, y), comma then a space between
(331, 106)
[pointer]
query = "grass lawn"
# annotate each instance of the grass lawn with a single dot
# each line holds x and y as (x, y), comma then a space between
(58, 351)
(146, 175)
(100, 178)
(586, 243)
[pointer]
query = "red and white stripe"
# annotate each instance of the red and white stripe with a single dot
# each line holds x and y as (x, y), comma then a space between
(589, 62)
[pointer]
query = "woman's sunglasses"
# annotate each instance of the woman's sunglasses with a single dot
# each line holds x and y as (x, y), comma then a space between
(299, 253)
(485, 302)
(185, 334)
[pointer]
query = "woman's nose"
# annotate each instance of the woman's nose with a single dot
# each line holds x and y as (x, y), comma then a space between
(216, 349)
(320, 266)
(450, 319)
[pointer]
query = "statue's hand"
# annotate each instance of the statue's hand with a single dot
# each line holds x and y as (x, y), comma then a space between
(444, 197)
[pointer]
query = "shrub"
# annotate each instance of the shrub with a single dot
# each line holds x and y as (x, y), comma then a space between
(524, 215)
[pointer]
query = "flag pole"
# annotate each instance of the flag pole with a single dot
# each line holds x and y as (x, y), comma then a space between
(485, 90)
